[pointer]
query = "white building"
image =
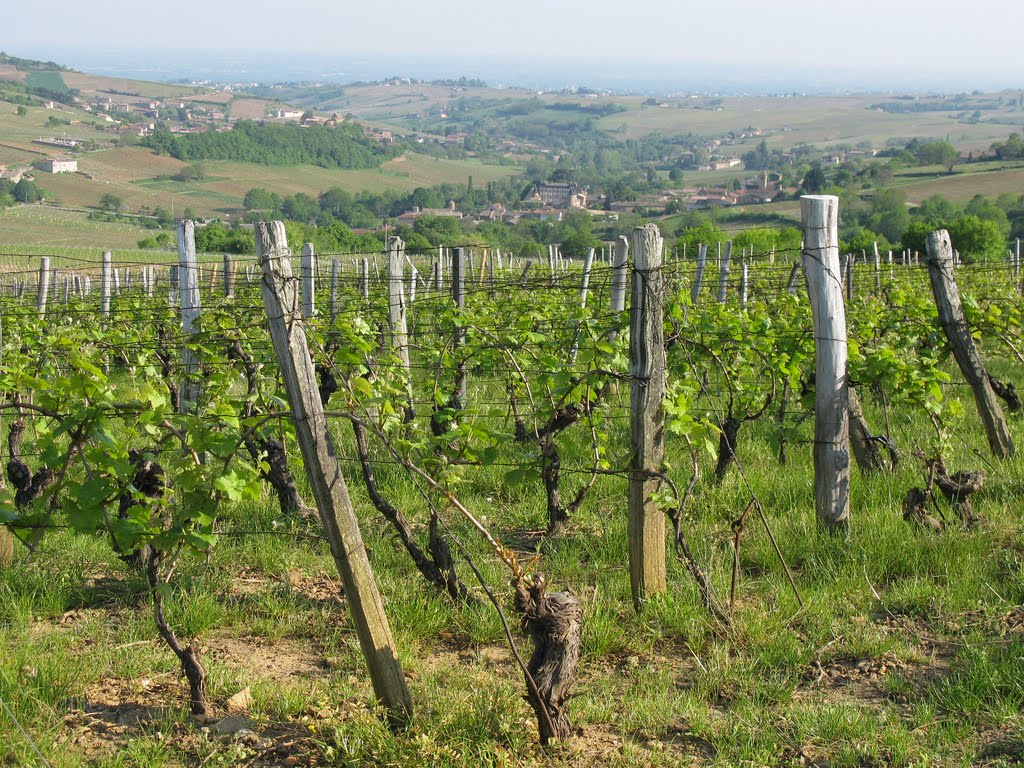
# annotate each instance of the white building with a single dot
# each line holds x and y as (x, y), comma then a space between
(60, 166)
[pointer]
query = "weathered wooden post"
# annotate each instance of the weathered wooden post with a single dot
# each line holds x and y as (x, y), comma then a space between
(698, 278)
(229, 276)
(188, 290)
(620, 274)
(308, 286)
(335, 272)
(588, 264)
(397, 313)
(44, 285)
(820, 217)
(105, 284)
(341, 529)
(723, 271)
(743, 286)
(647, 417)
(364, 282)
(458, 278)
(951, 316)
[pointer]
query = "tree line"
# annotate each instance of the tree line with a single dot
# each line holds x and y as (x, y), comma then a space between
(251, 142)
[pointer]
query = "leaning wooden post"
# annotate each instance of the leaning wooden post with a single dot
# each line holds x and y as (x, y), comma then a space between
(397, 313)
(44, 285)
(588, 264)
(820, 216)
(702, 260)
(188, 290)
(341, 529)
(951, 316)
(308, 288)
(647, 417)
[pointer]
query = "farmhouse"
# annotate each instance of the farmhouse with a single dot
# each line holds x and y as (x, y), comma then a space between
(59, 166)
(559, 195)
(410, 216)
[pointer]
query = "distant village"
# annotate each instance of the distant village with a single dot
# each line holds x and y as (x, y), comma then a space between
(128, 115)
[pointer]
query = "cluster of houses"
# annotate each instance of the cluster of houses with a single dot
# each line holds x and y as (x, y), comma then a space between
(545, 202)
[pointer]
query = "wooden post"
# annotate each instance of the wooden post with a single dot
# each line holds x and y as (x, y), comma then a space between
(397, 312)
(620, 272)
(878, 269)
(743, 286)
(820, 216)
(335, 270)
(588, 263)
(188, 282)
(647, 417)
(951, 316)
(850, 260)
(44, 285)
(308, 287)
(364, 282)
(229, 276)
(458, 273)
(105, 284)
(698, 278)
(173, 286)
(723, 271)
(341, 529)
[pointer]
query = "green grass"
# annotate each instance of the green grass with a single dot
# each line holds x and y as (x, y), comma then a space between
(45, 79)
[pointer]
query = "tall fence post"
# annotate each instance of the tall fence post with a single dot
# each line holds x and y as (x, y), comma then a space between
(341, 529)
(397, 313)
(229, 276)
(308, 285)
(647, 417)
(105, 284)
(188, 290)
(458, 279)
(723, 271)
(588, 263)
(702, 260)
(820, 217)
(44, 285)
(335, 270)
(951, 316)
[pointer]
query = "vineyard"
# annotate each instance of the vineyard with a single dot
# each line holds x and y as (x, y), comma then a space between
(465, 508)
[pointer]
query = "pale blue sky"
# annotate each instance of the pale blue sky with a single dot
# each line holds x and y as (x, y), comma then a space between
(923, 36)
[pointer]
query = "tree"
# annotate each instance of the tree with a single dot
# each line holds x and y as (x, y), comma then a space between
(935, 210)
(22, 110)
(26, 191)
(889, 216)
(300, 207)
(259, 199)
(111, 202)
(937, 153)
(977, 239)
(814, 182)
(702, 231)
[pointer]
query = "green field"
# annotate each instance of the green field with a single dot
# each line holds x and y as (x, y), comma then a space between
(988, 179)
(39, 226)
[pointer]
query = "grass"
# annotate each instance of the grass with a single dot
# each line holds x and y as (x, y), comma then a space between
(907, 650)
(990, 179)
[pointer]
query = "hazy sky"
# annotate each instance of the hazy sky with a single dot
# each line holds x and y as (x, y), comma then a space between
(929, 37)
